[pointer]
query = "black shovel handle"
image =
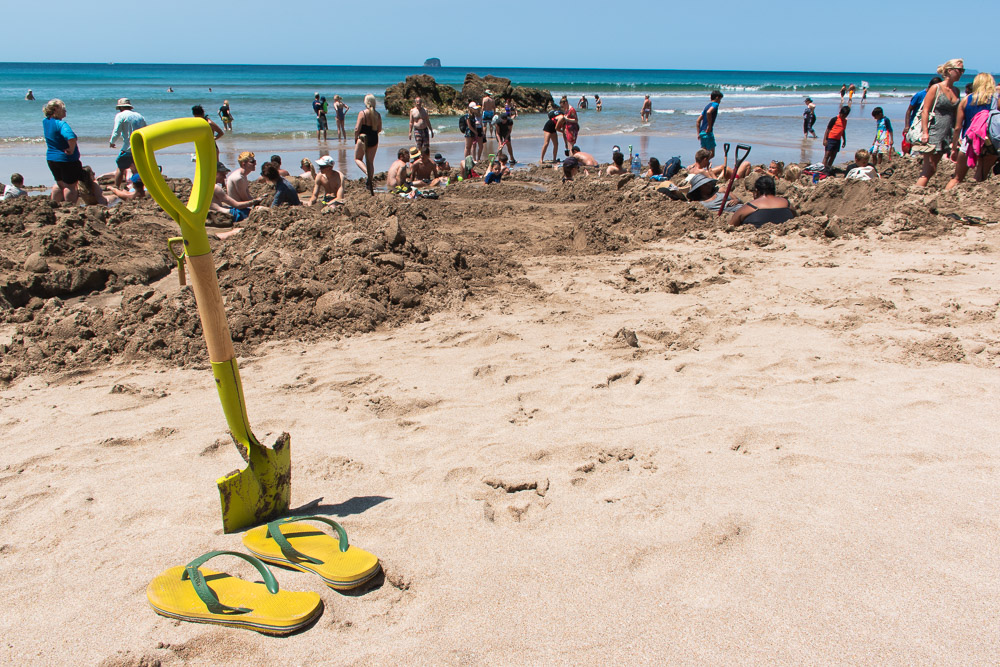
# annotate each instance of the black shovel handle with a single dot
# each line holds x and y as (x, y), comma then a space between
(736, 167)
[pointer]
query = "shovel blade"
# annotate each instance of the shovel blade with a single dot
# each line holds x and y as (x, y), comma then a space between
(262, 491)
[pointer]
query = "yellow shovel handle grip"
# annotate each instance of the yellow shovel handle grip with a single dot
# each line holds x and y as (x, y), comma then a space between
(191, 217)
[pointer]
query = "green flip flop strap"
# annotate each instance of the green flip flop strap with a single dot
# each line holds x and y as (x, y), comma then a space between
(274, 532)
(208, 596)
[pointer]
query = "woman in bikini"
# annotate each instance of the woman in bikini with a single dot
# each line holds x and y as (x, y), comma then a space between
(366, 139)
(571, 126)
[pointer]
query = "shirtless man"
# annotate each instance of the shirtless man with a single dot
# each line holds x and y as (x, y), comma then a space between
(489, 109)
(421, 130)
(647, 109)
(398, 171)
(223, 203)
(329, 183)
(237, 184)
(703, 165)
(585, 159)
(198, 111)
(423, 170)
(617, 165)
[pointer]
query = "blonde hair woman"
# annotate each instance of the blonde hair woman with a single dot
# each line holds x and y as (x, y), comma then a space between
(935, 132)
(366, 139)
(982, 97)
(61, 152)
(308, 170)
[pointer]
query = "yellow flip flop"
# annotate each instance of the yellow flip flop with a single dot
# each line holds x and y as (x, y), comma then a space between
(190, 593)
(340, 565)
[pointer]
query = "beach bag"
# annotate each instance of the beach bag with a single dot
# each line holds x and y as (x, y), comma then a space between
(992, 126)
(672, 166)
(463, 123)
(913, 135)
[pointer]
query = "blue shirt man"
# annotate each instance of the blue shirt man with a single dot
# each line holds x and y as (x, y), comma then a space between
(127, 121)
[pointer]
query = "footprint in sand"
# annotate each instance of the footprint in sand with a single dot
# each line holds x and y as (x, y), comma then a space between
(513, 497)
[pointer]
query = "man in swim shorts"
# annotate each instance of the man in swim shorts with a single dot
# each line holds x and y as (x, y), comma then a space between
(489, 109)
(647, 109)
(706, 122)
(329, 184)
(421, 130)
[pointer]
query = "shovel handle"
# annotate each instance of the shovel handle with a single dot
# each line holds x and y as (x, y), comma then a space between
(736, 166)
(210, 308)
(179, 258)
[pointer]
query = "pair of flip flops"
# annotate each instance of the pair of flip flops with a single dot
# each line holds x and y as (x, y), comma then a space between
(197, 594)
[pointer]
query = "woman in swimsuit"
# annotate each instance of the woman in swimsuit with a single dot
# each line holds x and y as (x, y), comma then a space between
(935, 134)
(551, 134)
(366, 139)
(766, 207)
(571, 126)
(341, 109)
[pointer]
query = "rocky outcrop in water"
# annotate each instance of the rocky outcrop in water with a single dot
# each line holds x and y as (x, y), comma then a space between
(442, 100)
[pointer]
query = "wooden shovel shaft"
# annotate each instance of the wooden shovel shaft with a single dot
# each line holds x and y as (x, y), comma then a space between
(210, 308)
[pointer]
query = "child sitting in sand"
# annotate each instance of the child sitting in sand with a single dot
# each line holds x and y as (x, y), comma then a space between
(15, 189)
(138, 190)
(863, 171)
(493, 175)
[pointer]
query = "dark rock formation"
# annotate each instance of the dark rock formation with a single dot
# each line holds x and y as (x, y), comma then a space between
(432, 62)
(440, 99)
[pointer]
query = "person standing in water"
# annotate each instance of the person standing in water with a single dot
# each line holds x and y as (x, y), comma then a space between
(226, 116)
(597, 103)
(647, 109)
(127, 121)
(421, 129)
(843, 92)
(30, 96)
(319, 108)
(340, 109)
(809, 119)
(366, 140)
(706, 122)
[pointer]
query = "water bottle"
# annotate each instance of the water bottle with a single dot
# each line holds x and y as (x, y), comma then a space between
(636, 165)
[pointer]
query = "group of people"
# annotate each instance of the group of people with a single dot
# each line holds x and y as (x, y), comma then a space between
(939, 122)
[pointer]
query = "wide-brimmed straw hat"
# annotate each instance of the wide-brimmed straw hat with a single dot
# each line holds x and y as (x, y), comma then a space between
(123, 103)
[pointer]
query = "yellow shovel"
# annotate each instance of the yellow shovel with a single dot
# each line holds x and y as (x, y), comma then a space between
(262, 491)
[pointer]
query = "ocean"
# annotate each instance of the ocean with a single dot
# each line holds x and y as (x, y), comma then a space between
(273, 112)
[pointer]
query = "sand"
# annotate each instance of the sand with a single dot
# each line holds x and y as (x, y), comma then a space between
(583, 439)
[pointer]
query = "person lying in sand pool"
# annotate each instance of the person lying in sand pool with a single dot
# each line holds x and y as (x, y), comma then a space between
(398, 173)
(703, 165)
(329, 185)
(571, 168)
(766, 206)
(284, 192)
(308, 170)
(89, 189)
(138, 190)
(706, 190)
(223, 203)
(276, 161)
(585, 159)
(237, 183)
(654, 168)
(423, 170)
(617, 165)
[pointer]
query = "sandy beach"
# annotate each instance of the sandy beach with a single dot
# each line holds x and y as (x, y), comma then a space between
(577, 422)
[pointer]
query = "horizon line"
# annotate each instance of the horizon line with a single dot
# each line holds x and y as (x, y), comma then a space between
(421, 66)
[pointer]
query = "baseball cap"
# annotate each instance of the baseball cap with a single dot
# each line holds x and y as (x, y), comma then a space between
(473, 105)
(123, 103)
(221, 167)
(414, 153)
(325, 161)
(136, 179)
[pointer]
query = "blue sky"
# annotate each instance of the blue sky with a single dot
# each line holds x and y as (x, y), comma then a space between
(745, 35)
